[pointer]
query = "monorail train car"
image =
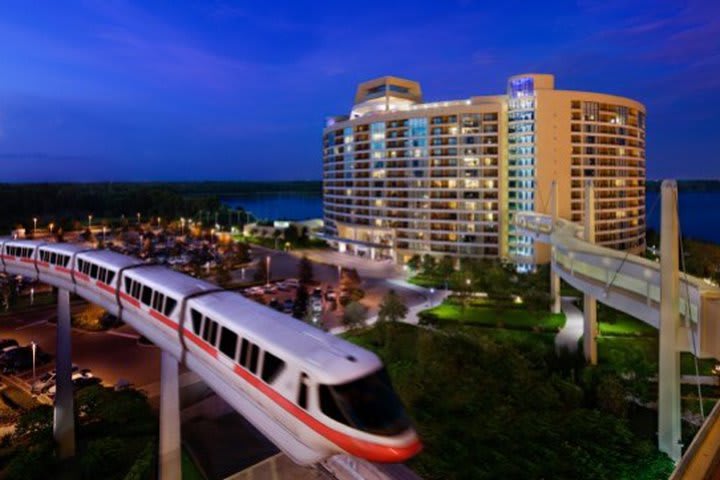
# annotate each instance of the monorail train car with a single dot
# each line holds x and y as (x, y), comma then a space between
(55, 264)
(20, 256)
(312, 394)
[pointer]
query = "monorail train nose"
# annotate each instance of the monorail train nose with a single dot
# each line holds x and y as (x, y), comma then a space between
(410, 447)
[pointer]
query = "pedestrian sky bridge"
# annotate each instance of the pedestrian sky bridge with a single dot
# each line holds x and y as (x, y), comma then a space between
(685, 309)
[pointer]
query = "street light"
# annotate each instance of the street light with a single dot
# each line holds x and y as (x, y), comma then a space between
(138, 217)
(50, 227)
(89, 222)
(34, 351)
(267, 265)
(34, 226)
(103, 233)
(339, 273)
(182, 226)
(32, 296)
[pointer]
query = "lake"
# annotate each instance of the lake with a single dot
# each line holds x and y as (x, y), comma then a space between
(699, 211)
(278, 206)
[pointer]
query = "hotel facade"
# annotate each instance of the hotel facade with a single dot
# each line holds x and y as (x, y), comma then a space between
(402, 177)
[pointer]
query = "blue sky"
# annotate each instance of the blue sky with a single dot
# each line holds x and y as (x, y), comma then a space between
(178, 90)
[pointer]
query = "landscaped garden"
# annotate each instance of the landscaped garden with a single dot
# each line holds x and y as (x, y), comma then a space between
(505, 406)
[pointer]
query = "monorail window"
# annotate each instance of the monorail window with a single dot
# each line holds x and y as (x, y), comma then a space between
(254, 356)
(169, 306)
(94, 271)
(271, 367)
(53, 258)
(146, 295)
(136, 290)
(196, 320)
(210, 331)
(369, 404)
(109, 277)
(303, 392)
(158, 301)
(228, 342)
(244, 349)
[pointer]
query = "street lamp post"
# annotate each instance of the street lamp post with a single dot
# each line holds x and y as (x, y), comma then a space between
(267, 266)
(138, 217)
(50, 227)
(432, 296)
(90, 222)
(32, 296)
(34, 226)
(34, 351)
(339, 273)
(103, 233)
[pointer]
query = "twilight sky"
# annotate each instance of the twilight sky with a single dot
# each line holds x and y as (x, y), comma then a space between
(180, 90)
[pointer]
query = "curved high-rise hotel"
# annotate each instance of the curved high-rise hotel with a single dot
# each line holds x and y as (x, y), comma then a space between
(403, 177)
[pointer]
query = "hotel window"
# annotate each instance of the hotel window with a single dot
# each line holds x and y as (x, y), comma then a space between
(591, 111)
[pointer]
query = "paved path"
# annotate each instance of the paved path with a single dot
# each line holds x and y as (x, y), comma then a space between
(568, 336)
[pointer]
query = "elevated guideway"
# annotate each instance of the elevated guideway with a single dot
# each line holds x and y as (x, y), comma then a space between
(685, 309)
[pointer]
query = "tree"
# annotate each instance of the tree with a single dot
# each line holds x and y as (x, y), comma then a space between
(354, 315)
(103, 458)
(415, 262)
(445, 267)
(302, 300)
(611, 395)
(261, 272)
(222, 275)
(35, 425)
(392, 308)
(306, 275)
(428, 265)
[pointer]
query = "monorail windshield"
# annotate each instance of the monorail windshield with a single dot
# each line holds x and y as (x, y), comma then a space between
(369, 404)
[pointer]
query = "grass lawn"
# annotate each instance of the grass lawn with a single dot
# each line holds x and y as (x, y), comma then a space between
(22, 304)
(616, 323)
(498, 317)
(426, 281)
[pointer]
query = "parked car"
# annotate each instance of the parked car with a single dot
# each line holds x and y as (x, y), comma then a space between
(21, 359)
(288, 306)
(270, 289)
(316, 304)
(47, 380)
(80, 379)
(292, 282)
(282, 287)
(8, 342)
(275, 304)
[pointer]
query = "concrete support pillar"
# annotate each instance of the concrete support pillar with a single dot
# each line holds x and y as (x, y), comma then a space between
(554, 291)
(170, 453)
(669, 372)
(554, 277)
(64, 412)
(589, 302)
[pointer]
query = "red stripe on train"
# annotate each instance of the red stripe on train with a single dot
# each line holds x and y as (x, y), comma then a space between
(63, 269)
(105, 287)
(82, 276)
(27, 260)
(130, 299)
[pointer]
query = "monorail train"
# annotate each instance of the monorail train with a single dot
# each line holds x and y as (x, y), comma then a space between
(312, 394)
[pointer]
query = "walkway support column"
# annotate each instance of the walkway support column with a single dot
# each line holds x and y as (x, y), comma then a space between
(554, 277)
(170, 452)
(669, 433)
(589, 302)
(64, 411)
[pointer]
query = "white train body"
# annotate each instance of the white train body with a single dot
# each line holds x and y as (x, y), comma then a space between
(312, 394)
